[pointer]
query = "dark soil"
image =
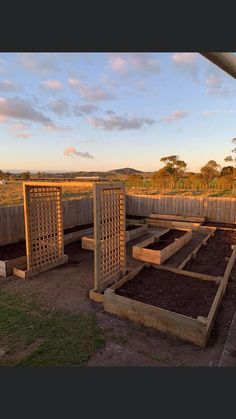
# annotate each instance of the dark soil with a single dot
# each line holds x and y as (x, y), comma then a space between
(77, 228)
(135, 217)
(166, 239)
(219, 225)
(131, 227)
(210, 259)
(174, 292)
(12, 251)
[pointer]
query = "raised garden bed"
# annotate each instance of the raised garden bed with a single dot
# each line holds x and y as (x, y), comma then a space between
(169, 300)
(132, 231)
(11, 255)
(212, 258)
(221, 226)
(73, 234)
(24, 273)
(157, 249)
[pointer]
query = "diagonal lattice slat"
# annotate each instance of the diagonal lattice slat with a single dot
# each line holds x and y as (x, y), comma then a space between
(109, 233)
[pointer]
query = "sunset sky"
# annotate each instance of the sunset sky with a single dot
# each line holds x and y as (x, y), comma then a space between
(102, 111)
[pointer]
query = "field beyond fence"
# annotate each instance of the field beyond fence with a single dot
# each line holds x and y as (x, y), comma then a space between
(80, 211)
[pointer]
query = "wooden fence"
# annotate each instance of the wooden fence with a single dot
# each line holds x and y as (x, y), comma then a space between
(215, 209)
(79, 212)
(76, 212)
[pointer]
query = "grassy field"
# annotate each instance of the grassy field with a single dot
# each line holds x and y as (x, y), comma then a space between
(12, 193)
(30, 336)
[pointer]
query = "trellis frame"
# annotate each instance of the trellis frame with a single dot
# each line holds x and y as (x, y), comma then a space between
(44, 226)
(109, 235)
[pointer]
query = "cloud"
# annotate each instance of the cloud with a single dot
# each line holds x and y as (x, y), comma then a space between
(218, 111)
(105, 79)
(21, 130)
(87, 92)
(9, 86)
(2, 65)
(51, 84)
(59, 107)
(18, 108)
(86, 108)
(134, 62)
(39, 62)
(215, 87)
(174, 116)
(72, 152)
(119, 123)
(187, 62)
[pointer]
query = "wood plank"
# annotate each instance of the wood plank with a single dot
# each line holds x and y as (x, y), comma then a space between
(163, 320)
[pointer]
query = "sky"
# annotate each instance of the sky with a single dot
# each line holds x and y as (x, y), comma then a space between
(103, 111)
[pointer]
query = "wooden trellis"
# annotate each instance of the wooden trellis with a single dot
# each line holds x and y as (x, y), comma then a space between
(43, 228)
(109, 233)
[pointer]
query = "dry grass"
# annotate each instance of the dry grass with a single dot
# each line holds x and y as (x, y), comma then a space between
(12, 193)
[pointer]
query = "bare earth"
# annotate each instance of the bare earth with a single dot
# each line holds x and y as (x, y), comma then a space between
(127, 343)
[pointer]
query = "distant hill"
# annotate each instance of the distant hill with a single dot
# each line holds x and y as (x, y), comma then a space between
(124, 171)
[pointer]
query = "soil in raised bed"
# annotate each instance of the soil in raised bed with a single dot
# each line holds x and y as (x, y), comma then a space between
(12, 251)
(77, 228)
(174, 292)
(210, 258)
(166, 239)
(219, 225)
(131, 227)
(136, 217)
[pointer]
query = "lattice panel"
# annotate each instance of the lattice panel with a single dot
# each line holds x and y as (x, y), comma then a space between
(44, 226)
(109, 233)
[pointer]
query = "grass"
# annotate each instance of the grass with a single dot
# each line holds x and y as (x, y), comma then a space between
(12, 193)
(30, 336)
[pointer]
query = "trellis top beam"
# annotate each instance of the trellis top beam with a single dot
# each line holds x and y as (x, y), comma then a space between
(63, 183)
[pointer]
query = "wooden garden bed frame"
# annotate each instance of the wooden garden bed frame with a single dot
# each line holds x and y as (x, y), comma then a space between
(77, 235)
(170, 223)
(88, 241)
(177, 217)
(6, 266)
(140, 252)
(193, 330)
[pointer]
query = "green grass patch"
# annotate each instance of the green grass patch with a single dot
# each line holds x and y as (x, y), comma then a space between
(31, 336)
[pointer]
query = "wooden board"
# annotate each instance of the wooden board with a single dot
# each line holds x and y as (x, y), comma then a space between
(170, 224)
(6, 266)
(140, 252)
(25, 273)
(192, 330)
(177, 217)
(88, 240)
(76, 235)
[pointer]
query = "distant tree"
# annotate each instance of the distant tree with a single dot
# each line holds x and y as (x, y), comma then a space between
(2, 175)
(134, 178)
(227, 171)
(25, 175)
(210, 171)
(39, 175)
(230, 158)
(174, 169)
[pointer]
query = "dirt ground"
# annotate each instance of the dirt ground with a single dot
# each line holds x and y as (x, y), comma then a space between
(127, 343)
